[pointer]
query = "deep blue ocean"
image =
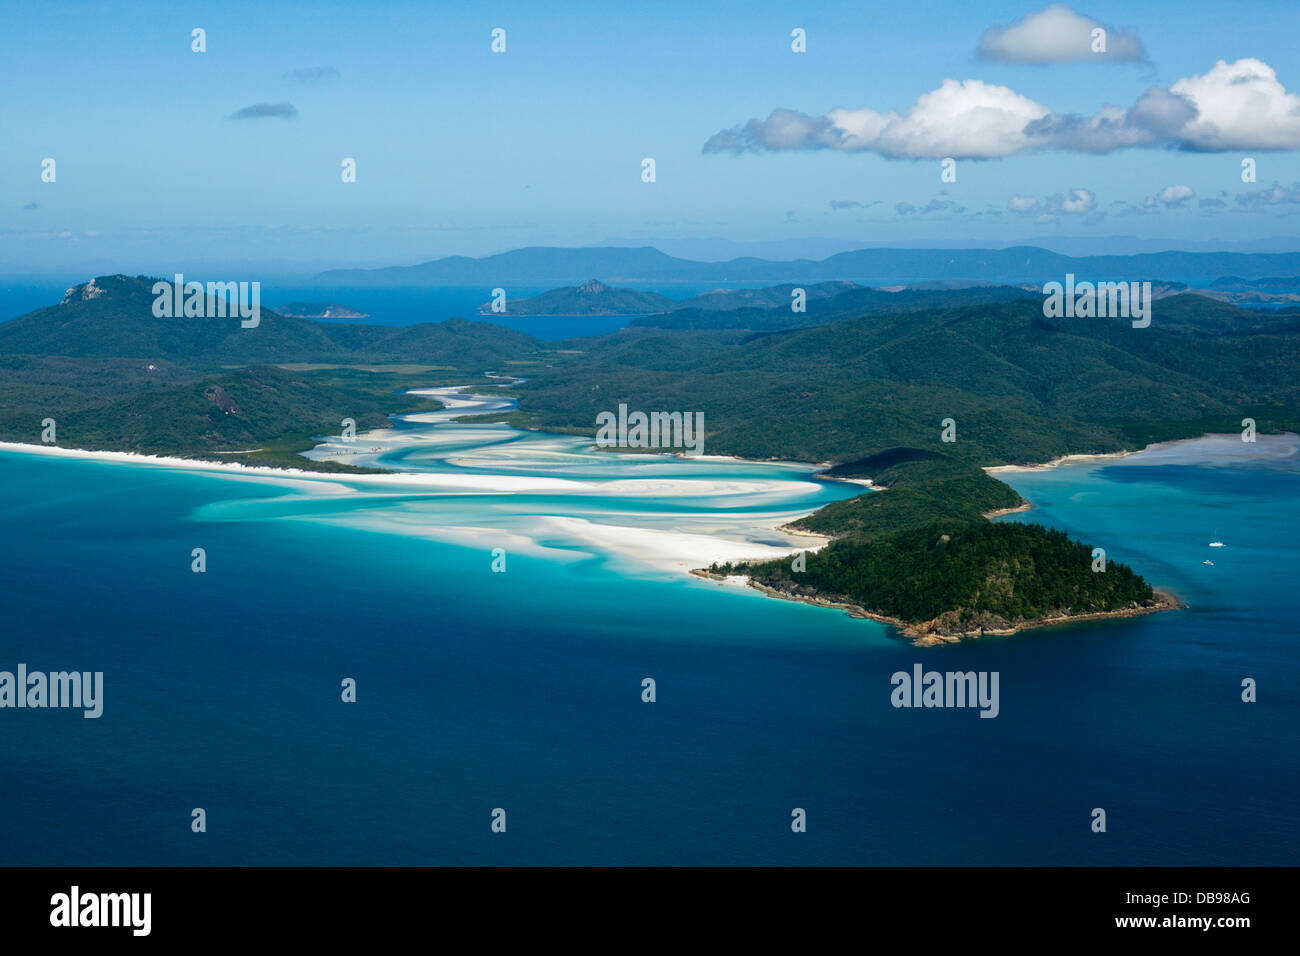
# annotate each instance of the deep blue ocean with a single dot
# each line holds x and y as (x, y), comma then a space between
(522, 690)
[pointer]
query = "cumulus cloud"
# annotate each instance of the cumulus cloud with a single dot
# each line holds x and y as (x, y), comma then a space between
(943, 207)
(838, 204)
(1155, 120)
(969, 119)
(312, 74)
(1237, 105)
(1212, 203)
(1275, 195)
(1058, 35)
(1078, 201)
(1171, 197)
(1175, 196)
(262, 110)
(1075, 202)
(31, 205)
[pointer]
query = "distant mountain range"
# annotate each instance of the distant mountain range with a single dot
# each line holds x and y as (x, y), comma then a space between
(593, 297)
(717, 249)
(771, 308)
(541, 265)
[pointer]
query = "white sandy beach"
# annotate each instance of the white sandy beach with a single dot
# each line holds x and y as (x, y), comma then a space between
(1229, 446)
(463, 480)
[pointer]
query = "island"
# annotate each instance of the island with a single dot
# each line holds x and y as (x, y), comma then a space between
(317, 310)
(912, 396)
(592, 298)
(921, 554)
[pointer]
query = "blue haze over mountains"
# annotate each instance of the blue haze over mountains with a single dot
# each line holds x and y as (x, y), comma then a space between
(540, 264)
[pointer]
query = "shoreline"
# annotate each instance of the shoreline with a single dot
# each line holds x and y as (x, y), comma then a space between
(1074, 459)
(175, 461)
(336, 483)
(924, 634)
(658, 550)
(1116, 455)
(1025, 505)
(233, 468)
(170, 461)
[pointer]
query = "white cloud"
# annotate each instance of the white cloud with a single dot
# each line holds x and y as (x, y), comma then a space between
(944, 207)
(1237, 105)
(1075, 202)
(1057, 35)
(970, 119)
(1078, 201)
(1175, 196)
(1275, 195)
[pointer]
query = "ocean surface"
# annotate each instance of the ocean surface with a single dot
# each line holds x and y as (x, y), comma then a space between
(522, 689)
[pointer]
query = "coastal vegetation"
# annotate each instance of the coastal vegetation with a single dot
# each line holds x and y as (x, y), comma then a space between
(591, 298)
(958, 578)
(919, 394)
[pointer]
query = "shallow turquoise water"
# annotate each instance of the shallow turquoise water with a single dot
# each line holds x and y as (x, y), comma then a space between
(521, 690)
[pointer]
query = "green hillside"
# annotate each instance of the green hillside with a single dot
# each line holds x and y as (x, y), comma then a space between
(1019, 388)
(119, 322)
(964, 576)
(590, 298)
(873, 391)
(828, 302)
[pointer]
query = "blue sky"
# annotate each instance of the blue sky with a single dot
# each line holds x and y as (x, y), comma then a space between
(462, 151)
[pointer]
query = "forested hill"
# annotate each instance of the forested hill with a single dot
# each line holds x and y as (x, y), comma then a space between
(591, 298)
(916, 399)
(113, 316)
(114, 376)
(944, 581)
(1019, 388)
(1016, 386)
(824, 304)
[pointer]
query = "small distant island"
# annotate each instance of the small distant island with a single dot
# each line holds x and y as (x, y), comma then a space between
(1270, 290)
(592, 298)
(317, 310)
